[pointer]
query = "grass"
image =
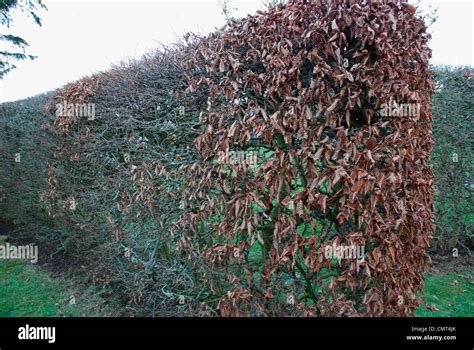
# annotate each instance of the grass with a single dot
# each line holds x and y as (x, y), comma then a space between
(28, 291)
(448, 295)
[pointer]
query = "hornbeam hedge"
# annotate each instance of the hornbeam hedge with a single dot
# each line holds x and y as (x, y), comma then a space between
(277, 167)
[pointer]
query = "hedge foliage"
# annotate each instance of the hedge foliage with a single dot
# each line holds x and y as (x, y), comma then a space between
(306, 86)
(453, 165)
(140, 193)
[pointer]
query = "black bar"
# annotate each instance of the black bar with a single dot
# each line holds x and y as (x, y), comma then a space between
(381, 331)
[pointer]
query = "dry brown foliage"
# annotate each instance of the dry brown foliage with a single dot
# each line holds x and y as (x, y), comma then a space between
(303, 84)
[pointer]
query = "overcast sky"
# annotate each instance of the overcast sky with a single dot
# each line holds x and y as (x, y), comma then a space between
(79, 38)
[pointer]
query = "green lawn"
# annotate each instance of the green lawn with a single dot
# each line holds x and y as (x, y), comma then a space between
(27, 291)
(449, 295)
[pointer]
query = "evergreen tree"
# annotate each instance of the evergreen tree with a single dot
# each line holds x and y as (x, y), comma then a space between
(18, 44)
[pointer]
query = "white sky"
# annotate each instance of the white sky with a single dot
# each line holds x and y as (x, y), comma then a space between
(79, 38)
